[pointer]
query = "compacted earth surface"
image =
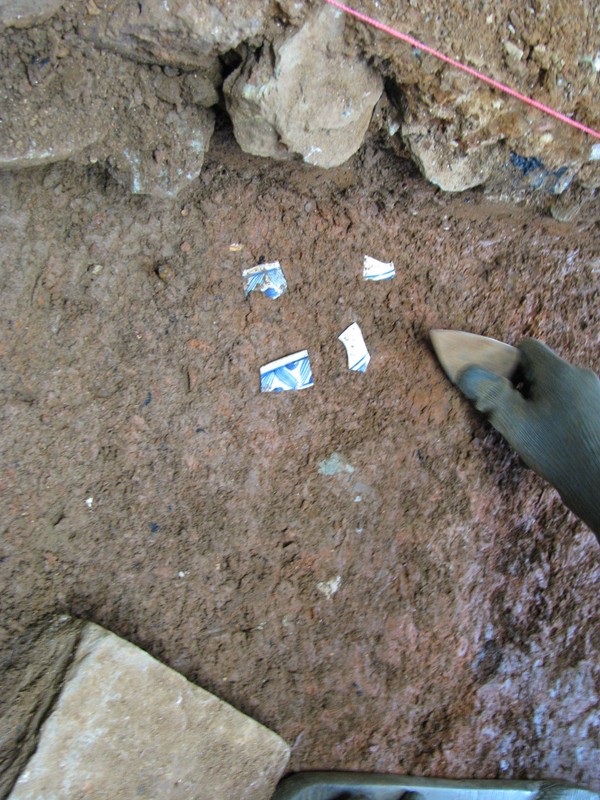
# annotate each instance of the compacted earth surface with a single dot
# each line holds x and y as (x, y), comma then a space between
(364, 565)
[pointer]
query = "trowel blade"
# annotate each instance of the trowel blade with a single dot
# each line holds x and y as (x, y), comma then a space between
(458, 350)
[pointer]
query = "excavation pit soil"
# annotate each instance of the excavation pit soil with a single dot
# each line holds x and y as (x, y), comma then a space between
(430, 607)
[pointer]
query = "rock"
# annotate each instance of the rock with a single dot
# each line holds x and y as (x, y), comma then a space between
(38, 130)
(466, 121)
(126, 726)
(202, 88)
(589, 176)
(513, 51)
(565, 210)
(450, 168)
(179, 32)
(26, 13)
(305, 87)
(304, 96)
(441, 159)
(164, 154)
(148, 128)
(28, 686)
(456, 153)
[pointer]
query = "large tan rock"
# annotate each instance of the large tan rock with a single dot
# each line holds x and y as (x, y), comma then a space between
(181, 33)
(306, 96)
(125, 726)
(149, 128)
(441, 158)
(166, 154)
(29, 684)
(24, 13)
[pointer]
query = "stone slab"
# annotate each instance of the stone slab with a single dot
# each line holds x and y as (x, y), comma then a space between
(24, 13)
(29, 683)
(126, 726)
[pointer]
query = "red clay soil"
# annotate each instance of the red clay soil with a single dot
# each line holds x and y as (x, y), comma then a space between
(432, 608)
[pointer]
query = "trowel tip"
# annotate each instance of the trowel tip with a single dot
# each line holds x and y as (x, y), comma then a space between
(457, 350)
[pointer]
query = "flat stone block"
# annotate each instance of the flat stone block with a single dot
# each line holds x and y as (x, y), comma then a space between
(125, 726)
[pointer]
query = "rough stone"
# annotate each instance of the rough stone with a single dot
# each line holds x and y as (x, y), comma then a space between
(126, 726)
(25, 13)
(444, 162)
(180, 33)
(457, 152)
(151, 130)
(202, 89)
(49, 120)
(462, 133)
(167, 154)
(589, 176)
(29, 683)
(305, 96)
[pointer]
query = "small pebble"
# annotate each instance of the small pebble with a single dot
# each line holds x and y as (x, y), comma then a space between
(564, 211)
(165, 272)
(186, 247)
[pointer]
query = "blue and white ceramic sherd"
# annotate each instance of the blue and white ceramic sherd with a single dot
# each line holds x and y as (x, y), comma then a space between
(286, 374)
(374, 270)
(356, 349)
(266, 278)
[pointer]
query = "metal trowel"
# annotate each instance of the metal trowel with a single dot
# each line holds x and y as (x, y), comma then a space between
(457, 350)
(364, 786)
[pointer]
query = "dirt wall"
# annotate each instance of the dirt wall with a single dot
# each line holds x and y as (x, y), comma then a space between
(133, 86)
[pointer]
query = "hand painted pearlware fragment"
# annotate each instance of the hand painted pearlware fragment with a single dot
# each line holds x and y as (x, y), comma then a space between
(290, 373)
(356, 349)
(374, 270)
(266, 278)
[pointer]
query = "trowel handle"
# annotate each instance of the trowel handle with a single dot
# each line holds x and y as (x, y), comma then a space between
(367, 786)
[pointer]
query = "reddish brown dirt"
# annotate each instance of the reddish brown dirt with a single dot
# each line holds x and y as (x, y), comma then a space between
(462, 640)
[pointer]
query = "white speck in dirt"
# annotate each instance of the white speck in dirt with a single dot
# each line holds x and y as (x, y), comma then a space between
(313, 151)
(334, 465)
(330, 587)
(297, 740)
(134, 161)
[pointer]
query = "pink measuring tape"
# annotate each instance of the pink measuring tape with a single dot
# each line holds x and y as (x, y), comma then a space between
(501, 87)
